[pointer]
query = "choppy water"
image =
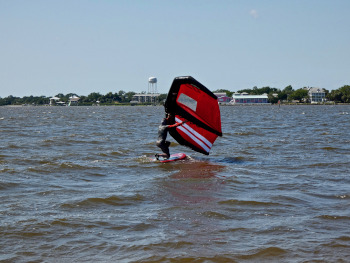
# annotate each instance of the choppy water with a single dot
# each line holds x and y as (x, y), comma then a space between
(77, 185)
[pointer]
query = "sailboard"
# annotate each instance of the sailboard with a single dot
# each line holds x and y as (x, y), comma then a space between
(191, 102)
(172, 158)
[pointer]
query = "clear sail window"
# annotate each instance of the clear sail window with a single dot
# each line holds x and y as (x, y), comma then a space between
(187, 101)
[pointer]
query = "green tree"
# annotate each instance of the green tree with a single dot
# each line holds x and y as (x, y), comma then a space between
(162, 98)
(116, 97)
(299, 94)
(335, 95)
(283, 95)
(272, 99)
(259, 91)
(267, 90)
(249, 91)
(108, 98)
(128, 96)
(345, 90)
(341, 95)
(11, 100)
(288, 89)
(93, 97)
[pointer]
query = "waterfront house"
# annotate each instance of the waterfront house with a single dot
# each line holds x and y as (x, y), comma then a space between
(73, 100)
(317, 95)
(222, 97)
(54, 101)
(245, 98)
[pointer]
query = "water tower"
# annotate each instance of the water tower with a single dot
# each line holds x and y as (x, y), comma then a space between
(152, 85)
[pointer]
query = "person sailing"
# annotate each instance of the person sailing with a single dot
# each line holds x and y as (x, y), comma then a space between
(163, 129)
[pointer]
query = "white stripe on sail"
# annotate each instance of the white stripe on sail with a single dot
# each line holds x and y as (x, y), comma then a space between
(193, 137)
(195, 133)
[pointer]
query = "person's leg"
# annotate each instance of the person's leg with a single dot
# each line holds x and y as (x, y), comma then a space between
(164, 146)
(166, 149)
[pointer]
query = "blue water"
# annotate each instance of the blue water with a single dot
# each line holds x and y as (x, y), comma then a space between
(77, 184)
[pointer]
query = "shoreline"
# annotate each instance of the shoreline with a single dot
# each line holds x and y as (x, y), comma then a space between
(222, 105)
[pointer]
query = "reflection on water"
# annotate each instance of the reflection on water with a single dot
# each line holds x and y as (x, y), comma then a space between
(195, 181)
(192, 168)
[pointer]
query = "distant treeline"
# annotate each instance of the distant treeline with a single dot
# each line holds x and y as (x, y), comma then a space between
(108, 99)
(341, 95)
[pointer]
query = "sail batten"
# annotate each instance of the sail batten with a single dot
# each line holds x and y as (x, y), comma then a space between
(188, 100)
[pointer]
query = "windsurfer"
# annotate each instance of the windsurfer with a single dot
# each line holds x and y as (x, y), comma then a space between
(162, 143)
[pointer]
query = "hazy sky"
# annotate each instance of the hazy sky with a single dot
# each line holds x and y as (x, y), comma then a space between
(51, 47)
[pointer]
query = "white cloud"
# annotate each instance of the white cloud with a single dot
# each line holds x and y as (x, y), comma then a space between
(254, 13)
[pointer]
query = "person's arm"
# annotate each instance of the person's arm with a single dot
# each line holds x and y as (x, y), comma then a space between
(176, 124)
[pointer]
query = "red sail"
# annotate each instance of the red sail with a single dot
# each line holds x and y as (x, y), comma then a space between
(188, 100)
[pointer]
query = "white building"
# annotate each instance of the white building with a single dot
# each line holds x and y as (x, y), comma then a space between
(145, 98)
(317, 95)
(54, 101)
(222, 97)
(74, 100)
(245, 98)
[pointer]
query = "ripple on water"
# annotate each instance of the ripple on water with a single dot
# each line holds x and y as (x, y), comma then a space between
(8, 185)
(111, 200)
(265, 254)
(334, 217)
(234, 202)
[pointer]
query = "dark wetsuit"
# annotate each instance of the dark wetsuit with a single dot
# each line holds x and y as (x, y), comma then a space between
(162, 143)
